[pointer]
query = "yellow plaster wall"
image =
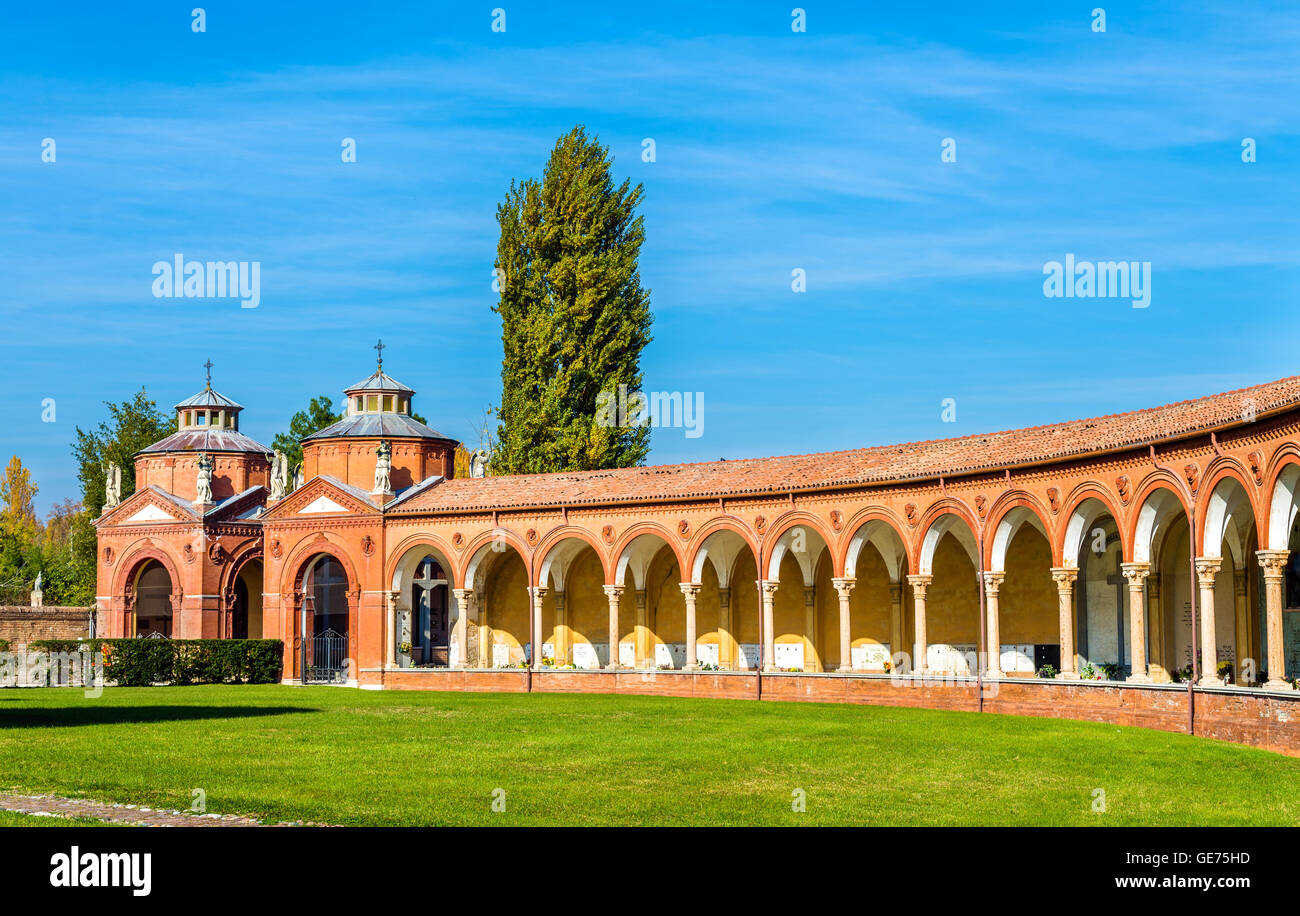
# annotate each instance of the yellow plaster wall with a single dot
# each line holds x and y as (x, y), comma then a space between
(506, 596)
(1028, 609)
(952, 600)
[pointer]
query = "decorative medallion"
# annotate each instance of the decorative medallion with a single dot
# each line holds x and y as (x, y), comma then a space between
(837, 519)
(910, 509)
(276, 548)
(684, 529)
(188, 552)
(217, 554)
(1123, 484)
(1256, 459)
(531, 536)
(1054, 499)
(368, 545)
(607, 533)
(108, 556)
(1192, 473)
(981, 506)
(760, 524)
(458, 541)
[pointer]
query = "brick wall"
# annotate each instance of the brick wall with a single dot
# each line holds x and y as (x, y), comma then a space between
(1242, 715)
(21, 625)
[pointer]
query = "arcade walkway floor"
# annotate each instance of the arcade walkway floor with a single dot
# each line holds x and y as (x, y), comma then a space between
(344, 756)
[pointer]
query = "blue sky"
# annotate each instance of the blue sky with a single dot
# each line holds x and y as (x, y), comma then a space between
(775, 151)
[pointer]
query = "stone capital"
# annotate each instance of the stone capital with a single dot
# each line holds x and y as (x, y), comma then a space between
(1273, 562)
(993, 581)
(690, 590)
(1207, 568)
(538, 591)
(1064, 577)
(614, 592)
(768, 588)
(919, 583)
(844, 586)
(1136, 573)
(463, 594)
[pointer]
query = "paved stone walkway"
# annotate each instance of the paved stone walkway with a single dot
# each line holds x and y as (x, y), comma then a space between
(135, 815)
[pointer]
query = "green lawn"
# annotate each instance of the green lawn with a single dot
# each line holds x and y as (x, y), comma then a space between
(343, 756)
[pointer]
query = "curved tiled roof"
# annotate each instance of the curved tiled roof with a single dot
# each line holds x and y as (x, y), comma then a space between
(212, 439)
(374, 425)
(864, 466)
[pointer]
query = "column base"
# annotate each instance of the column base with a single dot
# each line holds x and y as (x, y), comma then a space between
(1274, 684)
(1067, 676)
(1138, 679)
(993, 672)
(690, 667)
(1208, 681)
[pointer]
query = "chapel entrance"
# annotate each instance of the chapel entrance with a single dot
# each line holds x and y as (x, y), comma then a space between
(325, 623)
(431, 624)
(153, 601)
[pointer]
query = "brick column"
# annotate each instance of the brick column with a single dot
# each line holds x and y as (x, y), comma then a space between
(919, 584)
(691, 591)
(1274, 564)
(811, 659)
(536, 595)
(1242, 628)
(726, 656)
(1065, 576)
(993, 638)
(767, 593)
(464, 601)
(844, 588)
(613, 593)
(1207, 568)
(1137, 573)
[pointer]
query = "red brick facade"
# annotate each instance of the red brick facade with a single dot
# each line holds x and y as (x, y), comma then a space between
(1221, 472)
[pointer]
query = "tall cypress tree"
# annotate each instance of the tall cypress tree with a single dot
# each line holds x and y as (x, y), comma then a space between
(574, 316)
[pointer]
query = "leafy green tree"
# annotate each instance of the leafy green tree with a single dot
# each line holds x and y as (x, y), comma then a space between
(133, 425)
(574, 316)
(318, 415)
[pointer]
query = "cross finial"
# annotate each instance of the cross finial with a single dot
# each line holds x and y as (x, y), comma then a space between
(208, 366)
(379, 347)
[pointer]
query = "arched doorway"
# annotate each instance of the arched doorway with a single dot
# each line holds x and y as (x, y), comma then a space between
(246, 603)
(430, 624)
(153, 601)
(325, 622)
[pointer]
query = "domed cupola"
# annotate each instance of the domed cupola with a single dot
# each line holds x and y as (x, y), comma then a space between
(378, 410)
(207, 422)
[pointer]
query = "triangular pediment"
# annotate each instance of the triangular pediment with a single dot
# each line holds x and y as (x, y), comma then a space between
(321, 496)
(150, 513)
(321, 504)
(150, 506)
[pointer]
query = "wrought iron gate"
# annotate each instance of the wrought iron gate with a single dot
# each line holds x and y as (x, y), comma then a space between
(326, 660)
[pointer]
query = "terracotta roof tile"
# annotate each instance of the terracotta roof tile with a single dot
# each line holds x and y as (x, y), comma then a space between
(864, 466)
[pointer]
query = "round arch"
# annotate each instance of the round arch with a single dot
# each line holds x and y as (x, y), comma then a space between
(943, 518)
(784, 539)
(1012, 511)
(635, 552)
(720, 542)
(561, 546)
(1160, 500)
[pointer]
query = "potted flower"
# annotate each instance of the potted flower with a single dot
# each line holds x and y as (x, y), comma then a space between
(404, 655)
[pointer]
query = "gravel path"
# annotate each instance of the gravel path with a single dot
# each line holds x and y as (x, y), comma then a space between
(136, 815)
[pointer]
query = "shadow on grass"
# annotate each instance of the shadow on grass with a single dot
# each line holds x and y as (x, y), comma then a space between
(91, 714)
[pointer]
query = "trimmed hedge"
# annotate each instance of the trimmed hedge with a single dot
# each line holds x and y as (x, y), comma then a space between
(143, 662)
